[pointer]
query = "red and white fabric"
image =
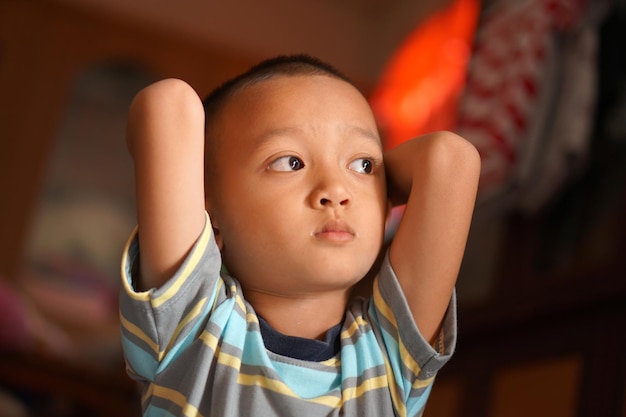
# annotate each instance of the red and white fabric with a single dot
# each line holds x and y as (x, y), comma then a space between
(532, 72)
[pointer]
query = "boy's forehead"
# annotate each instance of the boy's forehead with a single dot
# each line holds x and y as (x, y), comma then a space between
(281, 82)
(256, 100)
(287, 87)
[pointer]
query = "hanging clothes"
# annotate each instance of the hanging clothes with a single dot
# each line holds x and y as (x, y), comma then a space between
(529, 97)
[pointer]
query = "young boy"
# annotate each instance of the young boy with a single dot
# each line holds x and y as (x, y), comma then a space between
(240, 304)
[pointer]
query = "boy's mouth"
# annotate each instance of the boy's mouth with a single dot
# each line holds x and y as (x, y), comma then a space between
(335, 231)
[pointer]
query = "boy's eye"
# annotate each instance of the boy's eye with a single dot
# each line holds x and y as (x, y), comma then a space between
(362, 165)
(287, 163)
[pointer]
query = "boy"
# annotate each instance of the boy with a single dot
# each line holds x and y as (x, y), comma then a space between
(298, 192)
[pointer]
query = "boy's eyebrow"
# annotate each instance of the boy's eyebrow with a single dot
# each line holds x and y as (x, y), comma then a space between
(361, 131)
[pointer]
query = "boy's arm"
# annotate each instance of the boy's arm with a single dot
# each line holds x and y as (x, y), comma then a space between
(165, 136)
(436, 175)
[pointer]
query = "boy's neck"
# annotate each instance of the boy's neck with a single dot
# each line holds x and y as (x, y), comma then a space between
(308, 316)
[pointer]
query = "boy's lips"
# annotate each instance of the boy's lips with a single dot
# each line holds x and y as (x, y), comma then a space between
(335, 230)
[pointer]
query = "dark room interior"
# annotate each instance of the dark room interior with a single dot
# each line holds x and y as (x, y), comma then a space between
(542, 288)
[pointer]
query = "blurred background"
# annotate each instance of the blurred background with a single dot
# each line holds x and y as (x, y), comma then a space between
(539, 86)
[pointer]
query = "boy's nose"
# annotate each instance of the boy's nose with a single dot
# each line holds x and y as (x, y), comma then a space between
(330, 192)
(333, 202)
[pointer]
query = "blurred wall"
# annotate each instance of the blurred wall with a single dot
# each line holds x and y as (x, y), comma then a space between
(45, 44)
(355, 35)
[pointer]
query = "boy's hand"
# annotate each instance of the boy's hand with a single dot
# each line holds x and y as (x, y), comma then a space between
(436, 175)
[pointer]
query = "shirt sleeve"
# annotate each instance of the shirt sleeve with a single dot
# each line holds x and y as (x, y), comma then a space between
(413, 360)
(158, 324)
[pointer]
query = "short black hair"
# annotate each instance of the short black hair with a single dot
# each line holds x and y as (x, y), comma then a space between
(282, 65)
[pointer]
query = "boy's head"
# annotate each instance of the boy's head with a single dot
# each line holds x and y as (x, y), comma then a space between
(295, 177)
(282, 65)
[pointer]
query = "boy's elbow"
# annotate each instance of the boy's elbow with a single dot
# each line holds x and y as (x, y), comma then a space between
(168, 97)
(158, 108)
(455, 154)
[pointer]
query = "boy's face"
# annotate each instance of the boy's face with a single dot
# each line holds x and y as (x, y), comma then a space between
(300, 200)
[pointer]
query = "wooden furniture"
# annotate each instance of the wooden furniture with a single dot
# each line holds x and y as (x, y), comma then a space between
(550, 341)
(50, 386)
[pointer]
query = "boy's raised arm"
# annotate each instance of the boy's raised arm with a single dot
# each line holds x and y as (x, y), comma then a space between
(165, 136)
(436, 175)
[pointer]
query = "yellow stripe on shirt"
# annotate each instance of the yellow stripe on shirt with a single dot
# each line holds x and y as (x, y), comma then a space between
(358, 323)
(367, 385)
(197, 253)
(408, 360)
(282, 388)
(177, 398)
(398, 402)
(137, 332)
(195, 311)
(190, 265)
(126, 282)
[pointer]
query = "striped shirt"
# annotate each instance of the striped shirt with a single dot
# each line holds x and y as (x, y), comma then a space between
(196, 346)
